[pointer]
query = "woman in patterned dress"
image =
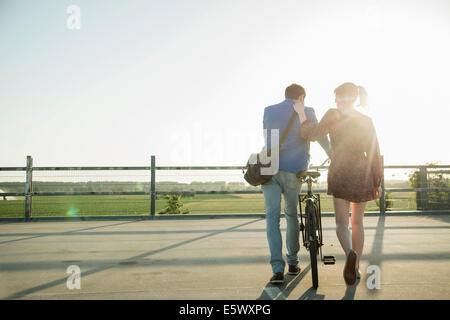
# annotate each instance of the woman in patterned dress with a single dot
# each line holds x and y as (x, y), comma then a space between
(355, 172)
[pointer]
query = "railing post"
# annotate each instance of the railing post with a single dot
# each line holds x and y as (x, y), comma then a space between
(423, 183)
(152, 188)
(383, 195)
(28, 187)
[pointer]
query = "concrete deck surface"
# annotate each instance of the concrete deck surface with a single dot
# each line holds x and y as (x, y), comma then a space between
(215, 259)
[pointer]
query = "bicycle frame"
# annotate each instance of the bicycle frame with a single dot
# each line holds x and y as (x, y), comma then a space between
(315, 199)
(312, 229)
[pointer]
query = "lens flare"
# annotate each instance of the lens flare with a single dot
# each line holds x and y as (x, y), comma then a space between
(73, 211)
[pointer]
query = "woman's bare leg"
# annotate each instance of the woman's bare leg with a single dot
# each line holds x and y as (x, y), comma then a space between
(341, 208)
(358, 229)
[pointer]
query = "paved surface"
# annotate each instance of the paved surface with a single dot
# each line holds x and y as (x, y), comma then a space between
(214, 259)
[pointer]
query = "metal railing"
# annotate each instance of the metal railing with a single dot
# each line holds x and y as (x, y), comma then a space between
(29, 193)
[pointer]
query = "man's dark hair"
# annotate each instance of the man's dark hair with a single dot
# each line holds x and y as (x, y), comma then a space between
(294, 91)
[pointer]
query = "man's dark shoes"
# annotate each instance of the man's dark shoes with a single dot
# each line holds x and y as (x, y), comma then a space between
(294, 270)
(277, 278)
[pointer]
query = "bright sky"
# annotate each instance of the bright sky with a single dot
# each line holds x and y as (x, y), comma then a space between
(188, 81)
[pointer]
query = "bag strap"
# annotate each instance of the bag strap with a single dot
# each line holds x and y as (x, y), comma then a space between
(288, 128)
(285, 132)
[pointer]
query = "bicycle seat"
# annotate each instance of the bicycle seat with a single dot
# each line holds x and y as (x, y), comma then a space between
(312, 174)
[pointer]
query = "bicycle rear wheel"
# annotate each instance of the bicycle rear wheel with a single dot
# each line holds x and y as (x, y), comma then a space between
(311, 214)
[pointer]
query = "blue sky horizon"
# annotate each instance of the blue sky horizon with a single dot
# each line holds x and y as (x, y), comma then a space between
(182, 79)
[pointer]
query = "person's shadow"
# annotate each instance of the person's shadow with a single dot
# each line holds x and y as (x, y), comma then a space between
(282, 291)
(350, 291)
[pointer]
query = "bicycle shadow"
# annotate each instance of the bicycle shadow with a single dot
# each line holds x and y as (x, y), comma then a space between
(282, 291)
(311, 294)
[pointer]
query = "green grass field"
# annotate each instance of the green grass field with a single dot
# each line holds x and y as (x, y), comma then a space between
(135, 205)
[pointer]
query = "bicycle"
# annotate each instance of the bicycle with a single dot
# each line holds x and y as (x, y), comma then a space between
(312, 229)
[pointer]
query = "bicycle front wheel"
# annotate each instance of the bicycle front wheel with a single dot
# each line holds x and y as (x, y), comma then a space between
(311, 214)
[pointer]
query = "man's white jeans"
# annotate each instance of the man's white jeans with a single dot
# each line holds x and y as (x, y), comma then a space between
(286, 183)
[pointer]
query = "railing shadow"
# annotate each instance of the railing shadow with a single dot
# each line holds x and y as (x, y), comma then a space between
(440, 217)
(62, 233)
(115, 264)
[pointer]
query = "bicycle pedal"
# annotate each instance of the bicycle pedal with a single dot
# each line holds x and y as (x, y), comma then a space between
(329, 260)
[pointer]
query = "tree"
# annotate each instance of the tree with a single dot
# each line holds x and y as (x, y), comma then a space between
(432, 200)
(174, 205)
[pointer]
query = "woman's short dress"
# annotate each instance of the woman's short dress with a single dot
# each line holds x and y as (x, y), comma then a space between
(355, 171)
